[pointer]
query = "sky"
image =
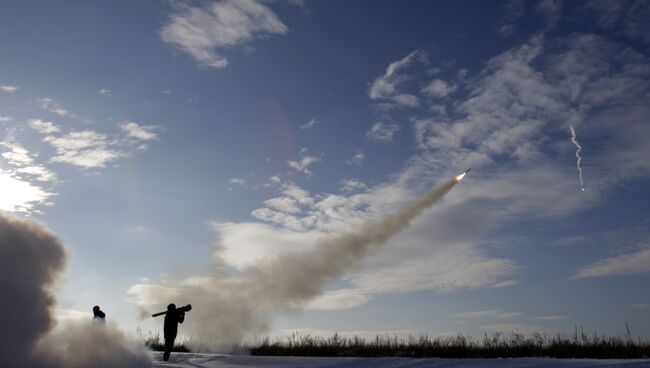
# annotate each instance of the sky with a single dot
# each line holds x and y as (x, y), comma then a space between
(163, 141)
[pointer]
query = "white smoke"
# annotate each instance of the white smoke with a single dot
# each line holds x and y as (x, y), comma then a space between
(579, 159)
(229, 308)
(31, 261)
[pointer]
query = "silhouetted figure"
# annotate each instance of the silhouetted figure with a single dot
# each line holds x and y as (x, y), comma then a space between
(98, 315)
(172, 318)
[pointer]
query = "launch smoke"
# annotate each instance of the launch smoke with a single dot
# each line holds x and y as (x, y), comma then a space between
(32, 259)
(579, 159)
(226, 309)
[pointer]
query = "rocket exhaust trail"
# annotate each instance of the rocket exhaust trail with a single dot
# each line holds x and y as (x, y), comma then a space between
(579, 159)
(228, 309)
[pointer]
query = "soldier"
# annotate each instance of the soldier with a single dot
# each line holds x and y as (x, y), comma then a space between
(172, 318)
(98, 315)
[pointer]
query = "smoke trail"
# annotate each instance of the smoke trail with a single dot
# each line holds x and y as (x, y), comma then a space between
(578, 149)
(31, 261)
(227, 309)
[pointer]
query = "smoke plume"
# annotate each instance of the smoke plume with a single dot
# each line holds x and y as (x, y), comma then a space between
(226, 309)
(31, 260)
(579, 159)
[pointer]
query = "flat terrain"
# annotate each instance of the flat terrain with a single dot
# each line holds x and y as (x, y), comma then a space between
(184, 360)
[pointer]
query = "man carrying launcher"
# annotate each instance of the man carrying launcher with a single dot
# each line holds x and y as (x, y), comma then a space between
(173, 317)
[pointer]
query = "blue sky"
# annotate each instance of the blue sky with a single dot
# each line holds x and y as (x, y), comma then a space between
(164, 141)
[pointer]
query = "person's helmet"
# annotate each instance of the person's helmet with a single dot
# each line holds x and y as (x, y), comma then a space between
(172, 306)
(96, 308)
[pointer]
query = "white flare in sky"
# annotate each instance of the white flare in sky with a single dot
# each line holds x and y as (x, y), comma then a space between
(578, 149)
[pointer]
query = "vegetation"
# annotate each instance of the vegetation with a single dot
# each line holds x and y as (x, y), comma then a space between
(155, 342)
(497, 345)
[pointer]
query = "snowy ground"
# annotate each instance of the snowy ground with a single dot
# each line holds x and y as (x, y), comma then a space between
(184, 360)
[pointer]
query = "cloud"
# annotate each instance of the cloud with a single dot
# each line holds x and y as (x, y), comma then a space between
(629, 18)
(513, 10)
(23, 162)
(138, 132)
(352, 185)
(626, 264)
(382, 132)
(356, 160)
(4, 119)
(310, 124)
(9, 89)
(552, 318)
(203, 32)
(238, 181)
(19, 195)
(42, 126)
(303, 164)
(438, 88)
(50, 105)
(86, 149)
(551, 11)
(386, 86)
(105, 92)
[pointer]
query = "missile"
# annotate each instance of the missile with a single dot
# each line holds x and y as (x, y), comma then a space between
(468, 170)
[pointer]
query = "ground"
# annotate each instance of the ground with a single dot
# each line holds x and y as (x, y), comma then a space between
(183, 360)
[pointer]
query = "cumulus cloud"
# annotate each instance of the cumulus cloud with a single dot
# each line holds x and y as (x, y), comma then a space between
(204, 32)
(86, 149)
(138, 132)
(50, 105)
(438, 88)
(42, 126)
(352, 185)
(8, 88)
(356, 160)
(305, 161)
(387, 86)
(310, 124)
(382, 132)
(23, 162)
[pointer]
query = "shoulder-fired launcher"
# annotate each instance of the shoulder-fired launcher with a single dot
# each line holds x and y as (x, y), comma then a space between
(186, 308)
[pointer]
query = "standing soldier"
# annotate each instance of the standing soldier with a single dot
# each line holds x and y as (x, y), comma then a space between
(172, 318)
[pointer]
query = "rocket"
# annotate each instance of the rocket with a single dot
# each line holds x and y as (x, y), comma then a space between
(468, 170)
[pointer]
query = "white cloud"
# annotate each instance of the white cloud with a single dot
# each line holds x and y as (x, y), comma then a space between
(552, 318)
(18, 195)
(310, 124)
(386, 86)
(138, 132)
(627, 264)
(303, 164)
(382, 132)
(356, 160)
(86, 149)
(4, 119)
(50, 105)
(438, 88)
(23, 162)
(352, 185)
(629, 18)
(42, 126)
(105, 92)
(9, 89)
(202, 32)
(238, 181)
(551, 11)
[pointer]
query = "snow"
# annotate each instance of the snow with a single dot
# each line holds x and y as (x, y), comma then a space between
(185, 360)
